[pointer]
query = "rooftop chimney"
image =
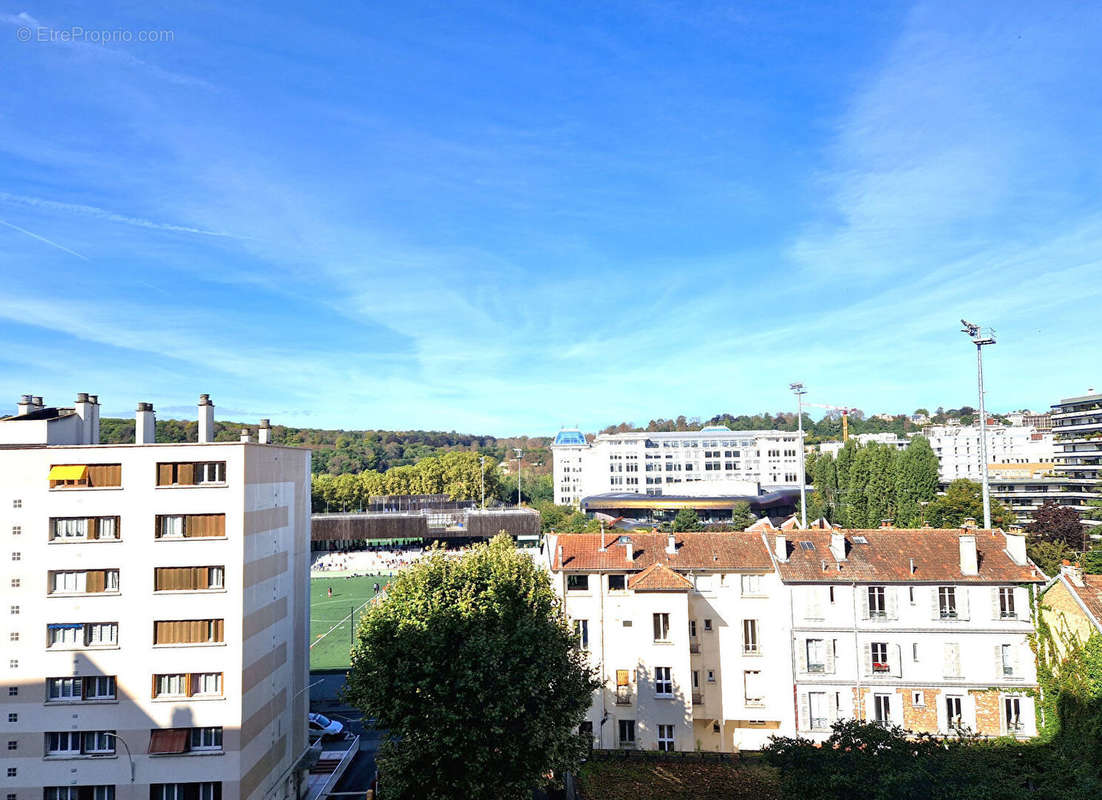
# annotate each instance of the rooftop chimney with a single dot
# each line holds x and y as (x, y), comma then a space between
(84, 410)
(780, 547)
(969, 523)
(671, 545)
(629, 549)
(38, 404)
(245, 437)
(94, 400)
(969, 561)
(25, 405)
(145, 424)
(264, 432)
(206, 418)
(1015, 545)
(838, 545)
(886, 523)
(1074, 574)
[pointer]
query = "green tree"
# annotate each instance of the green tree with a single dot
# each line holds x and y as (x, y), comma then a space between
(473, 670)
(963, 499)
(1091, 561)
(741, 516)
(1048, 555)
(686, 520)
(880, 486)
(916, 482)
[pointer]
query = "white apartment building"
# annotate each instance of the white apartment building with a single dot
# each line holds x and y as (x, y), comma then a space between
(718, 640)
(684, 632)
(712, 461)
(958, 448)
(155, 608)
(926, 629)
(890, 439)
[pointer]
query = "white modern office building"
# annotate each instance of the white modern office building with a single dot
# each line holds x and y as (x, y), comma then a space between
(712, 461)
(716, 641)
(890, 439)
(1077, 425)
(155, 608)
(958, 448)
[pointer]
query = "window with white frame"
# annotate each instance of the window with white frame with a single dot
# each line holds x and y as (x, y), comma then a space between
(663, 682)
(207, 790)
(581, 631)
(1006, 603)
(1012, 713)
(79, 793)
(754, 690)
(665, 738)
(205, 739)
(816, 655)
(99, 742)
(172, 526)
(71, 528)
(627, 732)
(65, 635)
(750, 644)
(817, 710)
(947, 602)
(63, 689)
(69, 743)
(954, 714)
(101, 634)
(751, 584)
(63, 743)
(1006, 659)
(171, 685)
(210, 472)
(206, 684)
(879, 653)
(877, 602)
(62, 581)
(882, 708)
(99, 687)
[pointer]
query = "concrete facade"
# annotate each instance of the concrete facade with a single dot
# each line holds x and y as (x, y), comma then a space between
(222, 713)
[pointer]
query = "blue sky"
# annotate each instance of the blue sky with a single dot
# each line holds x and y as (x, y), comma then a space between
(504, 217)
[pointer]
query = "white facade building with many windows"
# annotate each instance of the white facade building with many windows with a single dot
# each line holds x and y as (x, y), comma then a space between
(712, 461)
(958, 448)
(155, 611)
(716, 641)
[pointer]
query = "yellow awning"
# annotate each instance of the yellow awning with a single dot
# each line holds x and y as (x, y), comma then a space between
(67, 472)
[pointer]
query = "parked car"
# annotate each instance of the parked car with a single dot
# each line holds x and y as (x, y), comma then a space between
(325, 727)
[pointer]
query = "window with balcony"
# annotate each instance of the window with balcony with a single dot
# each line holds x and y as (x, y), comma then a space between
(84, 529)
(663, 682)
(188, 631)
(947, 602)
(190, 526)
(188, 579)
(85, 476)
(78, 635)
(879, 655)
(84, 581)
(661, 627)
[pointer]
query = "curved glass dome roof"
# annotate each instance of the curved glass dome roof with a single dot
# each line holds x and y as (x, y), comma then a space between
(714, 429)
(571, 436)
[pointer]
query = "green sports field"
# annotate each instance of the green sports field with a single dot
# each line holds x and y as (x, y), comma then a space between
(329, 645)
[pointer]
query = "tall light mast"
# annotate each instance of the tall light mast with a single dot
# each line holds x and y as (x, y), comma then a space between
(981, 337)
(799, 390)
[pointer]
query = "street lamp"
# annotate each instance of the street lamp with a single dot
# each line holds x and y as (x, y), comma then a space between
(124, 744)
(520, 454)
(980, 337)
(799, 390)
(482, 474)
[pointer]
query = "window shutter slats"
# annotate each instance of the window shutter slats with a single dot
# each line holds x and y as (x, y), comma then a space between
(164, 474)
(93, 528)
(185, 474)
(95, 580)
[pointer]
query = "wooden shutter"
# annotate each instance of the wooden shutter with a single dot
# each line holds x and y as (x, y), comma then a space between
(892, 601)
(805, 712)
(185, 474)
(219, 525)
(868, 659)
(218, 630)
(160, 632)
(962, 602)
(831, 645)
(896, 659)
(160, 575)
(164, 474)
(935, 603)
(194, 526)
(92, 528)
(154, 686)
(832, 704)
(95, 580)
(865, 603)
(801, 656)
(998, 662)
(996, 608)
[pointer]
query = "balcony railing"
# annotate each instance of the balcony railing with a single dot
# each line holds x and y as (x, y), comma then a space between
(623, 695)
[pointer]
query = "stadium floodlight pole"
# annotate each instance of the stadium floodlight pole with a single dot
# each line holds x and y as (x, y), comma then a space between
(482, 474)
(520, 454)
(799, 390)
(980, 337)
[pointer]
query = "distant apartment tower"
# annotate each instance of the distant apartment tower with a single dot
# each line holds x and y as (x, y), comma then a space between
(958, 448)
(1077, 425)
(155, 611)
(714, 460)
(892, 440)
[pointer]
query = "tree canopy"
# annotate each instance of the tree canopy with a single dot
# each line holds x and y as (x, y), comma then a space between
(1056, 523)
(472, 669)
(963, 499)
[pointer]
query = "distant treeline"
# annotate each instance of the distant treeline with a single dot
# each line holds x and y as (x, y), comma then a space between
(340, 452)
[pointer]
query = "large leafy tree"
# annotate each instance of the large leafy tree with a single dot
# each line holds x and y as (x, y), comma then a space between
(916, 482)
(1048, 555)
(963, 499)
(1056, 523)
(687, 520)
(474, 672)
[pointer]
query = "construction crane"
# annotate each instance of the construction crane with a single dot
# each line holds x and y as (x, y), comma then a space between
(845, 417)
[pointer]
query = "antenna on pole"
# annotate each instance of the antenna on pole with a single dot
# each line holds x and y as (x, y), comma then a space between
(981, 336)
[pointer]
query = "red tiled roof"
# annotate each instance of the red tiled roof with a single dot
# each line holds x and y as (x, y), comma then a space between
(659, 578)
(887, 557)
(715, 551)
(1090, 593)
